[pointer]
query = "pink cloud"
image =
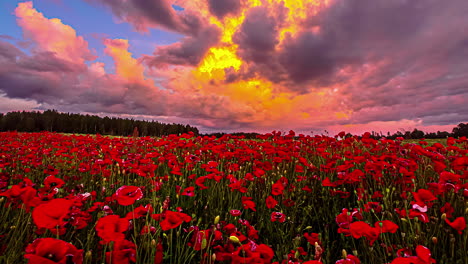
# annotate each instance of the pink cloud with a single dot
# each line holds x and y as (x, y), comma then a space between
(52, 35)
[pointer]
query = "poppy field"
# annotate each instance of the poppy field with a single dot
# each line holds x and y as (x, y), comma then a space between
(280, 198)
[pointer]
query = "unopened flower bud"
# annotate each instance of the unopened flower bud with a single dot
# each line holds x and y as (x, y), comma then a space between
(88, 255)
(216, 220)
(443, 217)
(434, 240)
(234, 239)
(344, 254)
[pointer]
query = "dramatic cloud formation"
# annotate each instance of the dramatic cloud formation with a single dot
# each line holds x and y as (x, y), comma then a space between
(256, 64)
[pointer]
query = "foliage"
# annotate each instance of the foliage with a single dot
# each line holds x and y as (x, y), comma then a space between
(193, 199)
(54, 121)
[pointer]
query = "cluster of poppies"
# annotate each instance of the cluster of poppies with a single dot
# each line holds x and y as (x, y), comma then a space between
(280, 198)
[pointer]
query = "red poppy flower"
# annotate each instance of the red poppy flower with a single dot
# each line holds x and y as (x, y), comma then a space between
(51, 250)
(423, 256)
(360, 228)
(140, 211)
(235, 212)
(247, 203)
(51, 214)
(159, 255)
(271, 202)
(124, 252)
(277, 188)
(111, 228)
(53, 182)
(458, 224)
(127, 195)
(386, 226)
(189, 191)
(350, 259)
(312, 238)
(173, 219)
(278, 216)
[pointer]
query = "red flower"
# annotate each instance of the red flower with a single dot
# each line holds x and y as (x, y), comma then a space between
(52, 214)
(278, 216)
(140, 211)
(173, 219)
(312, 238)
(386, 226)
(124, 252)
(159, 255)
(51, 250)
(189, 191)
(235, 212)
(458, 224)
(350, 259)
(247, 203)
(111, 228)
(53, 182)
(277, 188)
(127, 195)
(271, 202)
(360, 228)
(423, 256)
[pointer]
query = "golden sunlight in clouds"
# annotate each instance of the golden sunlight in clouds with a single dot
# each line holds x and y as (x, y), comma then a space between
(125, 65)
(267, 102)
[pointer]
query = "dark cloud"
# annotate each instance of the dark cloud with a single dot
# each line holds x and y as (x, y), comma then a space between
(48, 62)
(221, 8)
(258, 36)
(189, 51)
(144, 14)
(8, 51)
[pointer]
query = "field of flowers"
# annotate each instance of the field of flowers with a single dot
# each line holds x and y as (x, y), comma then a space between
(282, 198)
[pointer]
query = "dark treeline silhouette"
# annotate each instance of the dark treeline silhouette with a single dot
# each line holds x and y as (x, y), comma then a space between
(54, 121)
(246, 135)
(459, 131)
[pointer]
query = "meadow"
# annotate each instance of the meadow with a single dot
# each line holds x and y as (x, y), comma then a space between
(280, 198)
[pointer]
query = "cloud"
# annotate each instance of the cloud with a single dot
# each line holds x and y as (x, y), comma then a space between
(258, 35)
(221, 8)
(51, 35)
(189, 51)
(143, 14)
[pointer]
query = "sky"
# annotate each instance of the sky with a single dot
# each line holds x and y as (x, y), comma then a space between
(312, 66)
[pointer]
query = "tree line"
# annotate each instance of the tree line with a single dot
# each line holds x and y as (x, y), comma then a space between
(461, 130)
(54, 121)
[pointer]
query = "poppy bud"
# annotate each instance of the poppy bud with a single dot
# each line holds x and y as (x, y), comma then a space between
(204, 243)
(88, 255)
(216, 220)
(234, 239)
(434, 240)
(344, 254)
(443, 217)
(153, 242)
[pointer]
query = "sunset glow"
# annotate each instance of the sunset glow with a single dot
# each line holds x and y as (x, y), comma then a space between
(242, 65)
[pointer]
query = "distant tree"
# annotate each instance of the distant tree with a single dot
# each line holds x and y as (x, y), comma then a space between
(461, 130)
(417, 134)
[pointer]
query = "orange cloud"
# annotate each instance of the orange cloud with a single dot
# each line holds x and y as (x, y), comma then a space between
(52, 35)
(126, 66)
